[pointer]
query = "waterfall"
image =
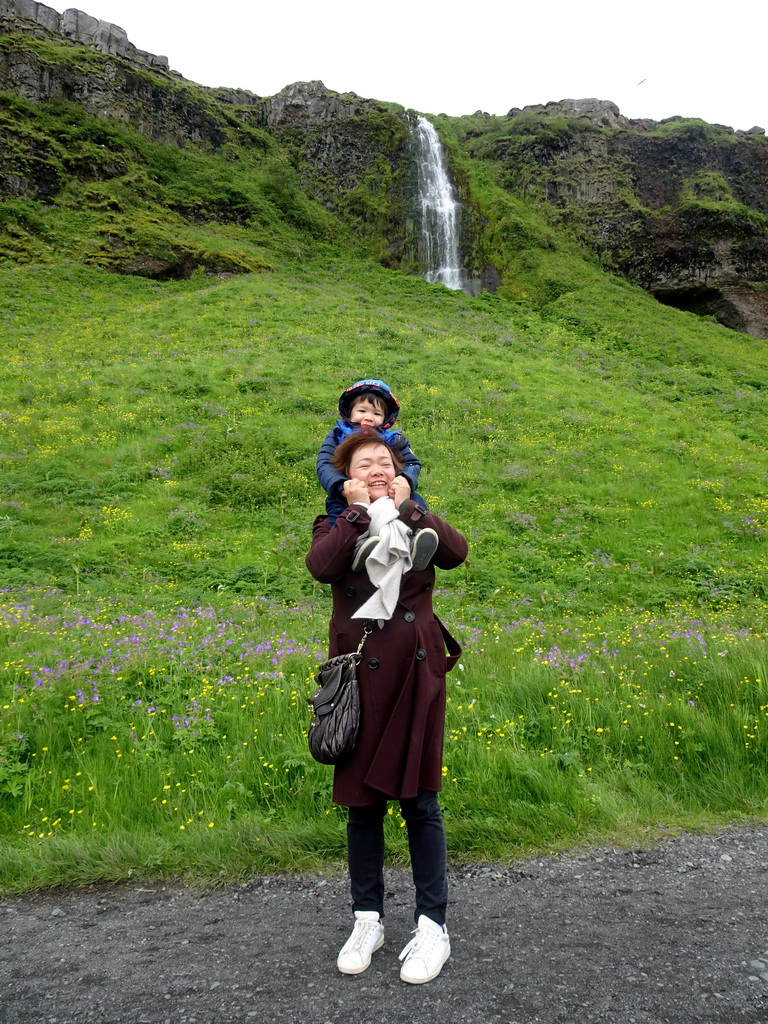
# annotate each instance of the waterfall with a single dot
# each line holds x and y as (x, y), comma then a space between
(439, 211)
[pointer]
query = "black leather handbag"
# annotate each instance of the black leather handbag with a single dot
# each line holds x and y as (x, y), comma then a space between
(336, 707)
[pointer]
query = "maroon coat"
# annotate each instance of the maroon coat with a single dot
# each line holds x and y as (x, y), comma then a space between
(402, 674)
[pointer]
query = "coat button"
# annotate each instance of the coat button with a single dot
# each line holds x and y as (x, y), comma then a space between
(421, 654)
(351, 591)
(409, 616)
(373, 663)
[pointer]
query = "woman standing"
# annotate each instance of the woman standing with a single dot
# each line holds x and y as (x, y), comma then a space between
(402, 695)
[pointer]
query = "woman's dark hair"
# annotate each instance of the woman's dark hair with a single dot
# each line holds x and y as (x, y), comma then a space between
(342, 457)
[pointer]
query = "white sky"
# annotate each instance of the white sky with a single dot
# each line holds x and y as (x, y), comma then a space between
(698, 59)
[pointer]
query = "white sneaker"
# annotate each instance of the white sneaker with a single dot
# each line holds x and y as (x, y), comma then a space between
(425, 954)
(367, 936)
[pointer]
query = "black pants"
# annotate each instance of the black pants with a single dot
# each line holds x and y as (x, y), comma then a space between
(426, 842)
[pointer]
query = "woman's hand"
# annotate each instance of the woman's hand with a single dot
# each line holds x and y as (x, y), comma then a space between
(399, 490)
(355, 490)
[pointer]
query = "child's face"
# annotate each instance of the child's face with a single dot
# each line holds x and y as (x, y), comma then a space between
(367, 412)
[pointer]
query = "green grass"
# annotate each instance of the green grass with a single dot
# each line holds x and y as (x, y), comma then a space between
(605, 457)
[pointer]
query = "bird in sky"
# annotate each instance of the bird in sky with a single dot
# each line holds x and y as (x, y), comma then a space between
(640, 82)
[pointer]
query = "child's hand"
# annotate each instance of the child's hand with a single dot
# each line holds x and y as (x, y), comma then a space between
(399, 490)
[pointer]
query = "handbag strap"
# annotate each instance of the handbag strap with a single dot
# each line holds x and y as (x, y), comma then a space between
(367, 630)
(452, 646)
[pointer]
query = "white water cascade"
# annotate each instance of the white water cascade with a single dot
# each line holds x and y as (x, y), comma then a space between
(440, 211)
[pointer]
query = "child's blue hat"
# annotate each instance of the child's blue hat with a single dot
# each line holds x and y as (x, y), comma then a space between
(379, 388)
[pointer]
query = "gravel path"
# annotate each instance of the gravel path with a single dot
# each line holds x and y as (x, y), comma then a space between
(677, 933)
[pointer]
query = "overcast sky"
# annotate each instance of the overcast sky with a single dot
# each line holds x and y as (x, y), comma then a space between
(655, 58)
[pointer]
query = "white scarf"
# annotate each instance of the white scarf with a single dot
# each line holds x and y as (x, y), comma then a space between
(387, 562)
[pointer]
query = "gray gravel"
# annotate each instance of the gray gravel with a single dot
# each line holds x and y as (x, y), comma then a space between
(677, 933)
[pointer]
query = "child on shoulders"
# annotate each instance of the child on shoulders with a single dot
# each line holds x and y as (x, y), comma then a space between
(371, 406)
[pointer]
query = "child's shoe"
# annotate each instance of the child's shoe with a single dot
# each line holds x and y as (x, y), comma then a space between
(367, 936)
(423, 548)
(425, 954)
(363, 548)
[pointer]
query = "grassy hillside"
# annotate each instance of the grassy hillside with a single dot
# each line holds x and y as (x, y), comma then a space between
(213, 397)
(605, 456)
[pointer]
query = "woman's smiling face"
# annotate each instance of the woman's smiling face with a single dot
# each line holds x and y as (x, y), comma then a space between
(372, 464)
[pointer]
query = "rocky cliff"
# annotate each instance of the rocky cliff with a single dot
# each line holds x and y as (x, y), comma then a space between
(349, 153)
(352, 154)
(37, 19)
(679, 207)
(101, 71)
